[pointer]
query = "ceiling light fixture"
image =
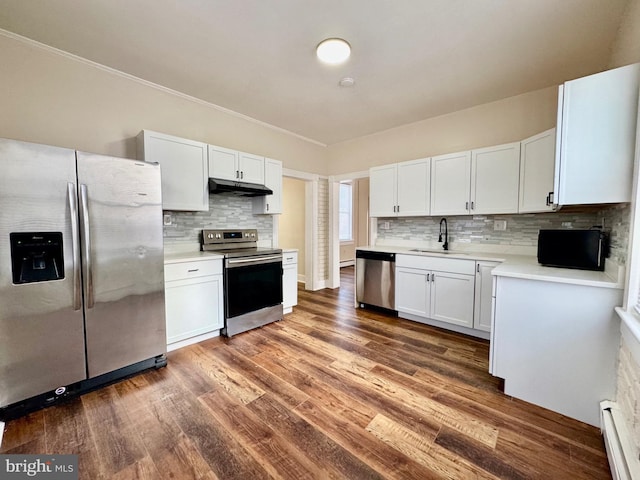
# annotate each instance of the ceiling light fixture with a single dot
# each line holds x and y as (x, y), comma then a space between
(333, 50)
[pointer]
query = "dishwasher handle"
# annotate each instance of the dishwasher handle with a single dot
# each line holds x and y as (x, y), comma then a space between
(381, 256)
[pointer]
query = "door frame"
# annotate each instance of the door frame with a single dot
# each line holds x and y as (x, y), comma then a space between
(334, 229)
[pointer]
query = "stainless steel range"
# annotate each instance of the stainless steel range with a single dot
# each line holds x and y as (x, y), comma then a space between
(252, 279)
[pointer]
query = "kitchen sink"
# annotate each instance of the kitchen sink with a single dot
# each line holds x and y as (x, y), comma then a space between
(428, 250)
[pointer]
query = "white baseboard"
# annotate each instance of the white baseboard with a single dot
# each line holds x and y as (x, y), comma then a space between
(620, 448)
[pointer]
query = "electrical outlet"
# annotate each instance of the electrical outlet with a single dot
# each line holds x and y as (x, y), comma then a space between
(166, 219)
(500, 225)
(385, 226)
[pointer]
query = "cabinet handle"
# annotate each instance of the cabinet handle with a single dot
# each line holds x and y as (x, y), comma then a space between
(466, 206)
(548, 200)
(433, 277)
(267, 207)
(241, 174)
(289, 258)
(551, 198)
(398, 208)
(193, 270)
(428, 278)
(237, 173)
(478, 267)
(472, 206)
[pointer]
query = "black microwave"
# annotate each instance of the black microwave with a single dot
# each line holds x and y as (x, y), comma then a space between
(582, 249)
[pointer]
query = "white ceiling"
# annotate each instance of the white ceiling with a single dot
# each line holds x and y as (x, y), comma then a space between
(411, 59)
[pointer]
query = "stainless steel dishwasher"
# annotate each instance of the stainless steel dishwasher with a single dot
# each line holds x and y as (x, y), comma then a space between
(375, 279)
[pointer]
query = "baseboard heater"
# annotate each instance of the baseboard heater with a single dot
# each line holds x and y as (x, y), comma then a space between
(621, 451)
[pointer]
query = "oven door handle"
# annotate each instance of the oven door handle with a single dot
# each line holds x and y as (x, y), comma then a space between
(241, 262)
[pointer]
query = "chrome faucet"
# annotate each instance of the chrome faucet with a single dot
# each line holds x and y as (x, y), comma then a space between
(446, 234)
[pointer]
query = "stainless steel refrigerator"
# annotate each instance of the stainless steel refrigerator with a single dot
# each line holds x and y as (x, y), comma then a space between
(81, 272)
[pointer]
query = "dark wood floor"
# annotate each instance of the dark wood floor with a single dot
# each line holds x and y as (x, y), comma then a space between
(329, 392)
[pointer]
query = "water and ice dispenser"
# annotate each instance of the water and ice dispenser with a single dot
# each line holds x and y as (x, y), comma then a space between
(36, 257)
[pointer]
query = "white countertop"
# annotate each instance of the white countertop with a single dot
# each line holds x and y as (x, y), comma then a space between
(177, 257)
(521, 266)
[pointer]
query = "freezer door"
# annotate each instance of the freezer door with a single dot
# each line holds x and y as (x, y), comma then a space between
(41, 324)
(123, 261)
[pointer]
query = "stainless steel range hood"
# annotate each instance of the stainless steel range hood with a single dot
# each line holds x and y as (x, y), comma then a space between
(244, 189)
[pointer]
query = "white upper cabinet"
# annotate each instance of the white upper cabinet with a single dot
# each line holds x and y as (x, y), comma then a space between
(537, 160)
(450, 184)
(251, 168)
(401, 189)
(270, 204)
(183, 164)
(495, 174)
(383, 184)
(414, 186)
(478, 181)
(596, 137)
(223, 163)
(228, 164)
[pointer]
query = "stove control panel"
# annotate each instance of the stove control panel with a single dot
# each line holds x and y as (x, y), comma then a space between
(229, 238)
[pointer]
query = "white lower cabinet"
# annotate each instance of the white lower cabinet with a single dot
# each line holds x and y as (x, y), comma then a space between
(289, 281)
(556, 344)
(194, 301)
(483, 296)
(412, 291)
(435, 288)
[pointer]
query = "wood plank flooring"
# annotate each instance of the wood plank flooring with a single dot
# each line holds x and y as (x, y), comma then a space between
(329, 392)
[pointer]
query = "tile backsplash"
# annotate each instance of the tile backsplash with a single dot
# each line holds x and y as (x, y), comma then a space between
(225, 211)
(521, 230)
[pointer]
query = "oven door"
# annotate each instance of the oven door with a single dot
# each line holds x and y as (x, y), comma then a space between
(252, 283)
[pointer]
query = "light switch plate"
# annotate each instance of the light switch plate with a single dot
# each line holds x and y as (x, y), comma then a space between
(166, 219)
(500, 225)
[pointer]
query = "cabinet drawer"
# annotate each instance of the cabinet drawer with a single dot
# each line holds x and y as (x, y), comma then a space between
(182, 270)
(289, 258)
(452, 265)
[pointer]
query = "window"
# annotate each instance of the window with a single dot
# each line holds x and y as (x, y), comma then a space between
(345, 210)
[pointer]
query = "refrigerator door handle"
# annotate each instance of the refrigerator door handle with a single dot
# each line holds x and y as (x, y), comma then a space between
(86, 244)
(75, 245)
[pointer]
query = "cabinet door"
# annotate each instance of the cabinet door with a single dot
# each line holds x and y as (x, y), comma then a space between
(414, 188)
(193, 307)
(289, 285)
(270, 204)
(483, 296)
(412, 289)
(537, 161)
(598, 116)
(495, 177)
(223, 163)
(251, 168)
(452, 298)
(382, 191)
(450, 184)
(183, 164)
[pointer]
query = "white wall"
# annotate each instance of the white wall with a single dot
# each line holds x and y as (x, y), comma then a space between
(291, 226)
(52, 98)
(504, 121)
(626, 50)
